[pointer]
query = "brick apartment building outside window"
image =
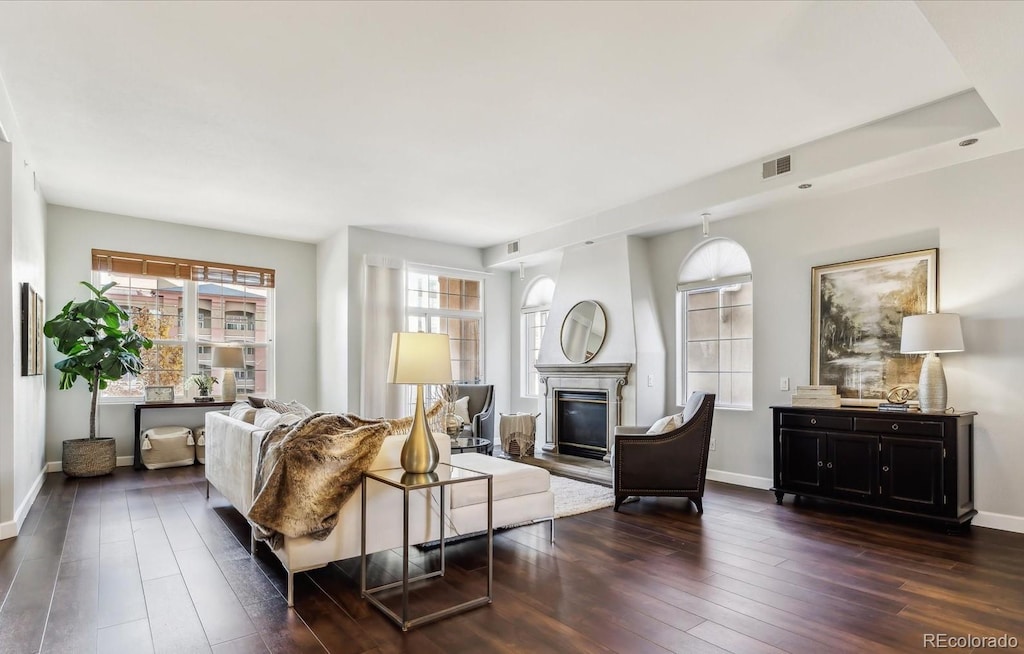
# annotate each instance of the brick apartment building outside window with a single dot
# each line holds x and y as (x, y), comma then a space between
(185, 319)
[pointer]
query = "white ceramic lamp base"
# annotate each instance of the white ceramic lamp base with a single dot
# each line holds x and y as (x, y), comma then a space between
(228, 393)
(931, 390)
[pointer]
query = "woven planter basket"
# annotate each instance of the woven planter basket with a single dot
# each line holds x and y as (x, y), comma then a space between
(85, 457)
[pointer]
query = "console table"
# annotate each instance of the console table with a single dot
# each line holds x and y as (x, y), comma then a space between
(183, 404)
(915, 464)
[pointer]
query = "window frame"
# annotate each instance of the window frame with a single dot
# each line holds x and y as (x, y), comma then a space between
(427, 313)
(528, 371)
(189, 337)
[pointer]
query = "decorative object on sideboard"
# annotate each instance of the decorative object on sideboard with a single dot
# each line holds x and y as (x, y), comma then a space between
(418, 358)
(229, 358)
(930, 334)
(818, 396)
(204, 386)
(857, 308)
(583, 331)
(897, 399)
(159, 393)
(101, 346)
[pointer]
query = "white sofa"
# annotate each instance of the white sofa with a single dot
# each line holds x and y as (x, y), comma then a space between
(521, 495)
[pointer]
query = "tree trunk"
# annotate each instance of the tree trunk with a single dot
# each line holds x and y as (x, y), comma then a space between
(95, 399)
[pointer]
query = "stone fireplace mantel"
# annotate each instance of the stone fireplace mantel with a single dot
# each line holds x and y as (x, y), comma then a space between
(607, 377)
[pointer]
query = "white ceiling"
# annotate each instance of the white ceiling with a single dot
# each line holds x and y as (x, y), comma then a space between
(471, 123)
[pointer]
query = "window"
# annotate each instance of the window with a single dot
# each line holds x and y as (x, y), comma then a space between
(716, 324)
(536, 306)
(437, 303)
(187, 311)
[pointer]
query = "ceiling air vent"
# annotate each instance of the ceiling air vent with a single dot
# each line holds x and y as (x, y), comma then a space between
(776, 167)
(513, 247)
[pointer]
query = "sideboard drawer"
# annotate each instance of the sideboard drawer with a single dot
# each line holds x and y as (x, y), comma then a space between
(810, 421)
(909, 427)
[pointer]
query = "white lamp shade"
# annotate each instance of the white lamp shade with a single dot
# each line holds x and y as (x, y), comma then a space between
(228, 357)
(418, 358)
(932, 332)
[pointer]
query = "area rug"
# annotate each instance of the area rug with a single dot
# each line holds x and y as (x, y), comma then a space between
(573, 497)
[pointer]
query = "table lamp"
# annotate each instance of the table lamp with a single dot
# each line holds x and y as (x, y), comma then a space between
(418, 358)
(228, 358)
(930, 334)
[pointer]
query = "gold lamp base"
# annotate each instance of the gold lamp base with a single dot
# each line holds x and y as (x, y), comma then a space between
(420, 454)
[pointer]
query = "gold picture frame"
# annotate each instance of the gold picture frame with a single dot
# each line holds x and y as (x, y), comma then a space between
(857, 310)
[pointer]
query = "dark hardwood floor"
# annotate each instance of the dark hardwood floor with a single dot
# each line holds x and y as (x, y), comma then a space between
(142, 561)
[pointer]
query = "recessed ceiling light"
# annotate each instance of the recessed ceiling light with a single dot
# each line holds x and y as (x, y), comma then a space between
(966, 142)
(588, 242)
(804, 186)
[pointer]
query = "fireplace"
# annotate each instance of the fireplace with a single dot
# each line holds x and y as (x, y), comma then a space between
(593, 395)
(582, 423)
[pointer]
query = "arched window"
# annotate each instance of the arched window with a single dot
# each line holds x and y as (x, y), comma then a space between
(716, 324)
(536, 304)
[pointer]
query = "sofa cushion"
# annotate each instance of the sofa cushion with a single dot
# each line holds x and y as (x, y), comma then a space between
(255, 402)
(242, 411)
(692, 404)
(511, 479)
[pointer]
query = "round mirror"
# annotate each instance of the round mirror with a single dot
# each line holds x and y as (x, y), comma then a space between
(583, 331)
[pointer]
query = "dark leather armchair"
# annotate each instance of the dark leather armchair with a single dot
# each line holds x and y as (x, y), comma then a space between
(481, 411)
(671, 464)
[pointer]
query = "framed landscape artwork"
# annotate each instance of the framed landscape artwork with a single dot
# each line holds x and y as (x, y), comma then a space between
(33, 345)
(857, 310)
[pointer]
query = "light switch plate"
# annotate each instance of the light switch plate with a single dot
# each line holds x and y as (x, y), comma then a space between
(783, 383)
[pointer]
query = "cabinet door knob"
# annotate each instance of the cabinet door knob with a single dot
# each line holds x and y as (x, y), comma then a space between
(895, 427)
(821, 463)
(829, 466)
(814, 421)
(885, 468)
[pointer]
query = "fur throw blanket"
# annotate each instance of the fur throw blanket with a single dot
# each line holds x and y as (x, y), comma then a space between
(308, 470)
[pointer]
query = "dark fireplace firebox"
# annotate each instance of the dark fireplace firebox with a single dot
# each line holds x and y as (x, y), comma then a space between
(582, 423)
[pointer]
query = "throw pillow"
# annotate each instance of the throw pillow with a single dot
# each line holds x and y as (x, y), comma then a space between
(267, 418)
(256, 402)
(462, 409)
(662, 425)
(288, 407)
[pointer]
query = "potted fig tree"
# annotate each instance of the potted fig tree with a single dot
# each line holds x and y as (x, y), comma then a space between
(101, 346)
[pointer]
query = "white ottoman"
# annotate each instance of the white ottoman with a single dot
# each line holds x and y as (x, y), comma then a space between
(522, 495)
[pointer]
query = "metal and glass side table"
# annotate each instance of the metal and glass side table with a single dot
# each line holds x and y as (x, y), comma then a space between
(444, 476)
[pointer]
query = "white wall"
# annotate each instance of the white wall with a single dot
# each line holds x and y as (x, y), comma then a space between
(22, 257)
(71, 235)
(616, 274)
(971, 212)
(332, 290)
(497, 343)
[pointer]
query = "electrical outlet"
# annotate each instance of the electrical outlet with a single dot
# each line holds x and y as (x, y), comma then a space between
(783, 383)
(714, 444)
(650, 380)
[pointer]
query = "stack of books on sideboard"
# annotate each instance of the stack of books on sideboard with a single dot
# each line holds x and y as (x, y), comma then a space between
(816, 396)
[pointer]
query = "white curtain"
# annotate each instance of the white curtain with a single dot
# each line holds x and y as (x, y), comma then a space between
(383, 314)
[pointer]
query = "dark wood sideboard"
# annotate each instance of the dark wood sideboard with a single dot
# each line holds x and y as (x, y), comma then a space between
(914, 464)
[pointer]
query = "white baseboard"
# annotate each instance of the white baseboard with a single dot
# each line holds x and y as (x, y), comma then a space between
(750, 481)
(11, 528)
(55, 466)
(999, 521)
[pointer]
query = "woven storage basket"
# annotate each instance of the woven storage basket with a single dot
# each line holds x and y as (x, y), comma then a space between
(85, 457)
